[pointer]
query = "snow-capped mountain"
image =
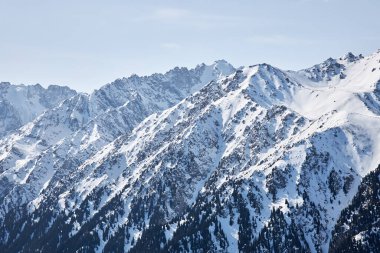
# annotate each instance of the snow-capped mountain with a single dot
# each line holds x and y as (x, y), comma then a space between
(212, 159)
(20, 104)
(83, 124)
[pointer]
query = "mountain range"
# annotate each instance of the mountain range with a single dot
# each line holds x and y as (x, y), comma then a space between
(209, 159)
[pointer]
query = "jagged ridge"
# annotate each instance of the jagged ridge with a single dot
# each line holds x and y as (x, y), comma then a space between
(233, 166)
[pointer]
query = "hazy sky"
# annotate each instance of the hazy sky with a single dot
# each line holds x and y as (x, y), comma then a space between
(87, 43)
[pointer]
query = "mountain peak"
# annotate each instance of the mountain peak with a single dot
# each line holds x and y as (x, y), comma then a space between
(224, 67)
(350, 57)
(324, 71)
(221, 62)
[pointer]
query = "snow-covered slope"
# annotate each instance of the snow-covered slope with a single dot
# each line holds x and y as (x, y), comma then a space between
(20, 104)
(83, 124)
(357, 230)
(211, 159)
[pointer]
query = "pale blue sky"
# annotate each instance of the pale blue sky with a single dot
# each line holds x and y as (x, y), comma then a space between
(87, 43)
